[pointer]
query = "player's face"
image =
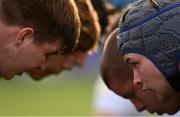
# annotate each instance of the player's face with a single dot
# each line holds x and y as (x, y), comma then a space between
(80, 58)
(52, 65)
(152, 104)
(57, 63)
(141, 99)
(124, 89)
(26, 56)
(147, 75)
(20, 51)
(118, 80)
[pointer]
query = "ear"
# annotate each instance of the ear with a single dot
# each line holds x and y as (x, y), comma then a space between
(23, 34)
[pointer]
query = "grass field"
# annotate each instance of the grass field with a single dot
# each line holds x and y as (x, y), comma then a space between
(52, 96)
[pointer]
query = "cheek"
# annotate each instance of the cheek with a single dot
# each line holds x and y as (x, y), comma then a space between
(79, 61)
(80, 58)
(155, 78)
(151, 70)
(70, 61)
(35, 58)
(68, 64)
(55, 62)
(147, 97)
(149, 100)
(36, 61)
(147, 73)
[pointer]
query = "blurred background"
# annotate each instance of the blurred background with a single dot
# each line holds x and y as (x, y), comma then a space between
(69, 93)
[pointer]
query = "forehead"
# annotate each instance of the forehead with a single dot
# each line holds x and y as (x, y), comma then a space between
(131, 55)
(122, 88)
(119, 70)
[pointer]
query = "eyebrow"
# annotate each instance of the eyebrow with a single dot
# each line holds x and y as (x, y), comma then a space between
(127, 59)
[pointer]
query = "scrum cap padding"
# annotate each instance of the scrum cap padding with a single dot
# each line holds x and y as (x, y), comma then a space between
(154, 33)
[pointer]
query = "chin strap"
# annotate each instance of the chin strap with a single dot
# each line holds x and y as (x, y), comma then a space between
(174, 81)
(155, 4)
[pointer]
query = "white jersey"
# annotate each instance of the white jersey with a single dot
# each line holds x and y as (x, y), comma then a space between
(107, 101)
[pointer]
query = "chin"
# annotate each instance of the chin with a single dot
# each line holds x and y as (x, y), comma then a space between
(154, 110)
(172, 112)
(8, 76)
(168, 112)
(37, 76)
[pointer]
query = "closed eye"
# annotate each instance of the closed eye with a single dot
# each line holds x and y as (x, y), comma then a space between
(131, 63)
(47, 55)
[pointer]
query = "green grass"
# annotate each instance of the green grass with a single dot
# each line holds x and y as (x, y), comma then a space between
(48, 97)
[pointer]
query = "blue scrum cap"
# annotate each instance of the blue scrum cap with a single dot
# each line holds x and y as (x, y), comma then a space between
(152, 28)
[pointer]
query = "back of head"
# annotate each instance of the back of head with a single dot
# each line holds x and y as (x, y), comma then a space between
(50, 19)
(99, 6)
(113, 62)
(151, 28)
(90, 28)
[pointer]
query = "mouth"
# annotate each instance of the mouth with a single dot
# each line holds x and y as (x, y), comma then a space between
(34, 69)
(160, 113)
(142, 109)
(9, 76)
(67, 67)
(20, 73)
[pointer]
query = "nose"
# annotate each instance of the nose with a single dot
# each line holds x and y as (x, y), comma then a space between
(43, 66)
(80, 59)
(67, 65)
(138, 105)
(137, 80)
